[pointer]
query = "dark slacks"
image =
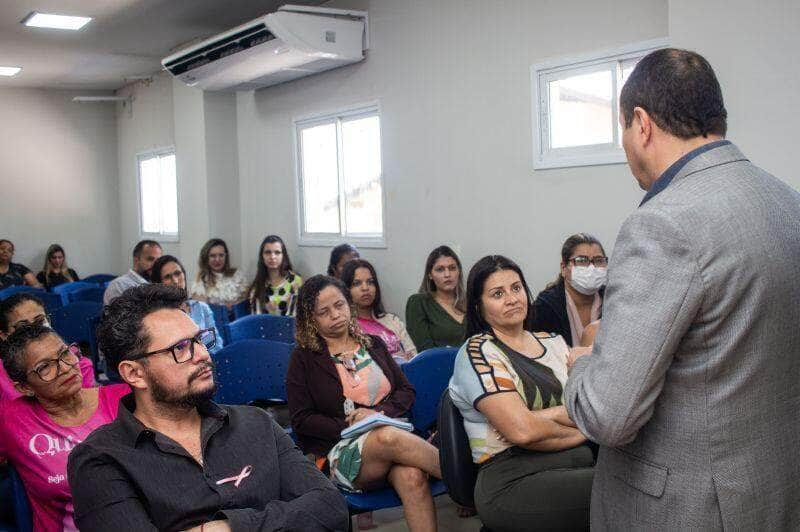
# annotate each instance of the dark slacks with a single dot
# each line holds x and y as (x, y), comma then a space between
(530, 491)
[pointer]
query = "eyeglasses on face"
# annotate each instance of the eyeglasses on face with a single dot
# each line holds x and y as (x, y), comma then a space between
(49, 370)
(183, 350)
(599, 261)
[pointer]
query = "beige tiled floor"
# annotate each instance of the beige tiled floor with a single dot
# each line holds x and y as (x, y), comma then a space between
(391, 520)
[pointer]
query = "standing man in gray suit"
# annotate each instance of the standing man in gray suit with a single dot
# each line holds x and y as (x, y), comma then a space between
(691, 388)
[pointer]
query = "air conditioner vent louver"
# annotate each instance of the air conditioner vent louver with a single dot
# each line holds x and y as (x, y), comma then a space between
(291, 43)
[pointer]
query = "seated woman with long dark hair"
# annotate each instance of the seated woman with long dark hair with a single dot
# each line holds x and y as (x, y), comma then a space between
(360, 277)
(575, 299)
(435, 315)
(274, 290)
(508, 384)
(337, 377)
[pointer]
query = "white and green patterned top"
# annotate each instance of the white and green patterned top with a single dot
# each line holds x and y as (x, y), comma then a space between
(483, 368)
(279, 300)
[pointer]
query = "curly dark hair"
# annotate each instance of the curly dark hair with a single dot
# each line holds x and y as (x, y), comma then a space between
(15, 346)
(349, 273)
(679, 91)
(306, 332)
(120, 333)
(474, 320)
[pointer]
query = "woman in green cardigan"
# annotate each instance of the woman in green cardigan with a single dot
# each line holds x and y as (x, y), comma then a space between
(435, 315)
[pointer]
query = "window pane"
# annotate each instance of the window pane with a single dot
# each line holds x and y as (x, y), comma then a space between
(150, 195)
(320, 179)
(580, 110)
(361, 145)
(169, 195)
(158, 187)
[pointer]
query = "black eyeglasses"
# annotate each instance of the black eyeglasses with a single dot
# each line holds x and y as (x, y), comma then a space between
(183, 351)
(49, 370)
(582, 260)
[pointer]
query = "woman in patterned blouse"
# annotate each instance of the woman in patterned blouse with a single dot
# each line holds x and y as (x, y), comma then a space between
(338, 376)
(508, 384)
(274, 290)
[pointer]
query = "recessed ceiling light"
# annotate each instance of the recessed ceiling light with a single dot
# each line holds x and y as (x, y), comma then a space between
(9, 71)
(59, 22)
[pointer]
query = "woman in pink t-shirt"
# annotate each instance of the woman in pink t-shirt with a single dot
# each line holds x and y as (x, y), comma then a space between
(53, 415)
(360, 278)
(18, 311)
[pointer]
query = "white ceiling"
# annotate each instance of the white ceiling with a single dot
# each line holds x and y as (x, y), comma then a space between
(126, 38)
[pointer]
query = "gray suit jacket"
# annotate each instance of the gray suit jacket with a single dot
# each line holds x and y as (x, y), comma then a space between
(692, 389)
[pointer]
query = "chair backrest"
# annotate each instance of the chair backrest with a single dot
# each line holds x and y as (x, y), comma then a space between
(92, 293)
(100, 278)
(429, 372)
(252, 370)
(72, 321)
(52, 302)
(94, 352)
(64, 289)
(11, 290)
(221, 319)
(241, 309)
(22, 508)
(459, 472)
(263, 326)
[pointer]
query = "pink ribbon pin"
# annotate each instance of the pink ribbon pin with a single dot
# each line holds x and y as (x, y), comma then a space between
(238, 478)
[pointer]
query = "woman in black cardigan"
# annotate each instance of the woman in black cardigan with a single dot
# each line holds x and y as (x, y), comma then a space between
(337, 376)
(575, 300)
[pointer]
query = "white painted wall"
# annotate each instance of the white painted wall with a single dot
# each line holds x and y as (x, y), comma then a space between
(755, 51)
(58, 168)
(452, 79)
(202, 129)
(148, 124)
(222, 171)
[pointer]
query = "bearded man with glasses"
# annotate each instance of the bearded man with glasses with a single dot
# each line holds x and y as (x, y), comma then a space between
(175, 460)
(52, 413)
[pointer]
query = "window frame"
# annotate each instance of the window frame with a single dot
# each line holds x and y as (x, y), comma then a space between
(545, 157)
(365, 240)
(149, 154)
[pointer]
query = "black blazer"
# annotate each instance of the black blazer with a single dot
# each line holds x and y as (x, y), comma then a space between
(550, 312)
(316, 398)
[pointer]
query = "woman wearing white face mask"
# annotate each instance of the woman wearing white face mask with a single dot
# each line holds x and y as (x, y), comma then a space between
(575, 299)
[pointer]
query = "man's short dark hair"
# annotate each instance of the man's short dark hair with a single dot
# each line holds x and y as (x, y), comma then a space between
(679, 91)
(8, 305)
(15, 346)
(137, 249)
(121, 334)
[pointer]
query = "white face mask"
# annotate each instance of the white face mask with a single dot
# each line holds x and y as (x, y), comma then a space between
(587, 279)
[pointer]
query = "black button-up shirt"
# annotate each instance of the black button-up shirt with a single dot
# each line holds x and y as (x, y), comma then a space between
(125, 476)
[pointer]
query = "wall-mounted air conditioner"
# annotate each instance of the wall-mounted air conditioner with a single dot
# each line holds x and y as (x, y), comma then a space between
(293, 42)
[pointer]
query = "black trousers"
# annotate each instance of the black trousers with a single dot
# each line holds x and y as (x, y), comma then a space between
(523, 490)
